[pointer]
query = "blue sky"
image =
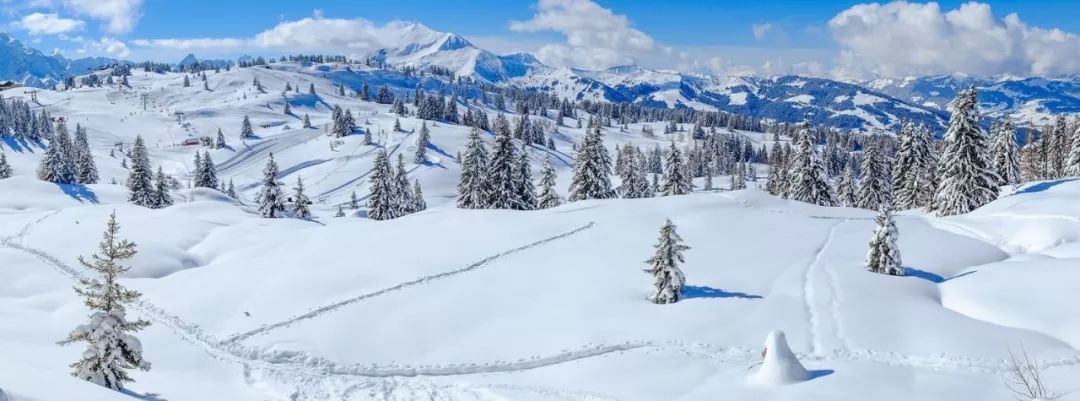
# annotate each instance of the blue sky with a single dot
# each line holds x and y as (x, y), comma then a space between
(682, 34)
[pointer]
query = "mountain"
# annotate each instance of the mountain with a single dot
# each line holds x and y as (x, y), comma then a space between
(1031, 101)
(31, 67)
(191, 60)
(419, 46)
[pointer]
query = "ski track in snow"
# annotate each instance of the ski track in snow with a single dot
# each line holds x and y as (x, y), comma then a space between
(420, 281)
(810, 292)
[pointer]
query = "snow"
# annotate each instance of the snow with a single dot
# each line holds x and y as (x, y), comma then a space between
(804, 99)
(780, 366)
(737, 98)
(507, 305)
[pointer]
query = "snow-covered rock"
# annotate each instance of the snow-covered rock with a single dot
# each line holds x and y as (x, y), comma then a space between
(780, 365)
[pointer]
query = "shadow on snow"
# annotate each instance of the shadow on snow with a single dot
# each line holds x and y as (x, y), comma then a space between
(694, 291)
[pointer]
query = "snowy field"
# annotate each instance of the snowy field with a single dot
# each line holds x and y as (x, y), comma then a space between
(492, 305)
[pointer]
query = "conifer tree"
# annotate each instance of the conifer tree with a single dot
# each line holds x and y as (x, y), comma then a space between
(845, 187)
(57, 166)
(340, 212)
(198, 179)
(806, 174)
(676, 182)
(422, 142)
(668, 279)
(884, 254)
(231, 191)
(86, 169)
(1072, 164)
(382, 200)
(549, 197)
(209, 172)
(636, 185)
(162, 198)
(473, 188)
(592, 169)
(526, 191)
(738, 182)
(270, 199)
(501, 173)
(246, 132)
(307, 121)
(287, 110)
(914, 161)
(403, 191)
(419, 204)
(354, 203)
(219, 143)
(140, 186)
(301, 204)
(967, 180)
(111, 348)
(5, 169)
(874, 185)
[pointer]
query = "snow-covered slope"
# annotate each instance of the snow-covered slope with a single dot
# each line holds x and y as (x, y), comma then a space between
(453, 304)
(422, 47)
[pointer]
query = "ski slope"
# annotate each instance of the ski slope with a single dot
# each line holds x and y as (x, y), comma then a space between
(489, 305)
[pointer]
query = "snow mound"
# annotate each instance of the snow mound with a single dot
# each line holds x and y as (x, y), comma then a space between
(780, 366)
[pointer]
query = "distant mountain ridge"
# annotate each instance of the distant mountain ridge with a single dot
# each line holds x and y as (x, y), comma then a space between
(875, 105)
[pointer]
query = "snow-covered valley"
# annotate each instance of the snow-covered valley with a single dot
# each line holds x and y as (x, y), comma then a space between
(457, 304)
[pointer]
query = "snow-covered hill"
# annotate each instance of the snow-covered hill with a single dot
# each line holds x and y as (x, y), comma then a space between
(452, 304)
(28, 66)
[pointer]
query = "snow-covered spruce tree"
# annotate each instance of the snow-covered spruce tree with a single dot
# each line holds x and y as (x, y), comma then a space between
(966, 178)
(845, 187)
(422, 142)
(419, 204)
(307, 121)
(549, 197)
(397, 125)
(198, 178)
(382, 200)
(270, 199)
(287, 109)
(526, 191)
(636, 184)
(58, 164)
(231, 190)
(111, 348)
(162, 198)
(668, 279)
(354, 202)
(806, 174)
(403, 193)
(884, 255)
(85, 169)
(501, 173)
(219, 143)
(301, 204)
(140, 185)
(914, 160)
(676, 182)
(1072, 163)
(737, 180)
(592, 169)
(209, 172)
(5, 169)
(874, 186)
(246, 132)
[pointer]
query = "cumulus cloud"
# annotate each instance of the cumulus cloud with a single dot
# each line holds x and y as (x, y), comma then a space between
(760, 30)
(120, 16)
(110, 46)
(595, 36)
(48, 24)
(192, 44)
(901, 38)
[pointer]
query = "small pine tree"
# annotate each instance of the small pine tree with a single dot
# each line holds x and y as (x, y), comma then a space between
(472, 188)
(383, 198)
(246, 132)
(418, 198)
(592, 169)
(271, 202)
(85, 168)
(549, 197)
(307, 121)
(354, 203)
(422, 142)
(111, 349)
(231, 191)
(845, 187)
(874, 187)
(806, 174)
(58, 164)
(402, 191)
(676, 181)
(301, 204)
(220, 142)
(966, 178)
(209, 172)
(5, 169)
(884, 255)
(162, 198)
(668, 279)
(526, 191)
(140, 185)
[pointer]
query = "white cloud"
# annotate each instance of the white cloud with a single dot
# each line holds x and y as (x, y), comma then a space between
(48, 24)
(760, 30)
(901, 38)
(110, 46)
(318, 33)
(120, 16)
(193, 44)
(595, 36)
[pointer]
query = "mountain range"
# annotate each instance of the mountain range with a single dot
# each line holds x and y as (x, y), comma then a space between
(872, 105)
